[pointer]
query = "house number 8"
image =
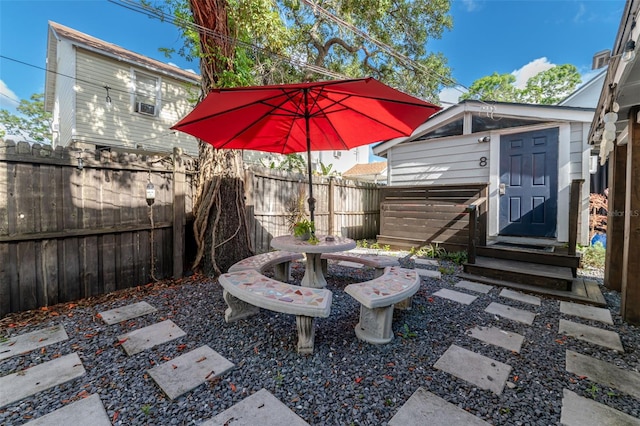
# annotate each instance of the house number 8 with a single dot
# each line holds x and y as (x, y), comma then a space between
(483, 161)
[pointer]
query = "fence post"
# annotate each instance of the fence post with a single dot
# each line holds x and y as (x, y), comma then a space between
(249, 208)
(179, 217)
(332, 213)
(574, 212)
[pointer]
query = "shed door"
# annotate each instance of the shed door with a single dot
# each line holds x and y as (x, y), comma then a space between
(529, 183)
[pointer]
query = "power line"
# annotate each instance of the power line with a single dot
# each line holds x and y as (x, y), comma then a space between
(158, 14)
(447, 81)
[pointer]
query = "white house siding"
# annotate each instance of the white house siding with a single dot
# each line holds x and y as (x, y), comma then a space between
(442, 161)
(65, 95)
(122, 126)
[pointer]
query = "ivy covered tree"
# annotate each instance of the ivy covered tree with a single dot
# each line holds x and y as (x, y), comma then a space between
(546, 88)
(33, 122)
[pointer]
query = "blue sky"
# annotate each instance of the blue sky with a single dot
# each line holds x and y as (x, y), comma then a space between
(519, 36)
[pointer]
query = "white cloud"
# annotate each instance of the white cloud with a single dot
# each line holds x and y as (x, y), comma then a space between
(529, 70)
(580, 14)
(471, 5)
(449, 96)
(8, 99)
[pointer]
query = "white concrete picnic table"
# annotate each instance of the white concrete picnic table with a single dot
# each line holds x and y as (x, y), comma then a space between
(313, 276)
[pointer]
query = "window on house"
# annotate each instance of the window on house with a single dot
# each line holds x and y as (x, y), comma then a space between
(146, 94)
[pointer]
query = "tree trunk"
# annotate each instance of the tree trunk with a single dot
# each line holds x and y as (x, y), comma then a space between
(220, 225)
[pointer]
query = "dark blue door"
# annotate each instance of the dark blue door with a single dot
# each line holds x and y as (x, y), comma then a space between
(529, 183)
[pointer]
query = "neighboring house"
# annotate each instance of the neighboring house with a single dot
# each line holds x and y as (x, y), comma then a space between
(527, 154)
(101, 95)
(370, 172)
(147, 98)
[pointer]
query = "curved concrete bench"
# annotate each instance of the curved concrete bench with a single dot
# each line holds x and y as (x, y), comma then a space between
(377, 298)
(375, 261)
(246, 291)
(279, 260)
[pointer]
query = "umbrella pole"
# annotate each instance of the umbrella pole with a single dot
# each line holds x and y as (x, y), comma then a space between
(312, 201)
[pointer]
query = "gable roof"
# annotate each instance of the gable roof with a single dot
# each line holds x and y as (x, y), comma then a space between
(376, 168)
(590, 89)
(109, 49)
(550, 113)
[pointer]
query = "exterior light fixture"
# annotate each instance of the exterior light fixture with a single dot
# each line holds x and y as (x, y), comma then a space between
(629, 53)
(151, 194)
(80, 163)
(107, 101)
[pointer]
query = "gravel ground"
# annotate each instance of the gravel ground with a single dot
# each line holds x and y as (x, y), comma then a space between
(344, 382)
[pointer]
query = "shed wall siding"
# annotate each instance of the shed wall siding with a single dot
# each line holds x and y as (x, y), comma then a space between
(444, 161)
(122, 126)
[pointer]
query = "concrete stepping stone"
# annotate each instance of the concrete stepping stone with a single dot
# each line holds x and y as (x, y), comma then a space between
(456, 296)
(520, 297)
(85, 411)
(595, 335)
(33, 340)
(604, 373)
(426, 262)
(150, 336)
(586, 312)
(580, 411)
(14, 387)
(188, 371)
(127, 312)
(261, 408)
(428, 273)
(426, 408)
(508, 312)
(484, 372)
(497, 337)
(477, 287)
(350, 264)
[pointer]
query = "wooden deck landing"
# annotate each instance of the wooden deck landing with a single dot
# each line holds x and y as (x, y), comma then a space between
(582, 290)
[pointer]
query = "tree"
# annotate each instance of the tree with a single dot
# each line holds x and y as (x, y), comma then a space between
(494, 87)
(33, 122)
(374, 39)
(551, 86)
(546, 88)
(244, 42)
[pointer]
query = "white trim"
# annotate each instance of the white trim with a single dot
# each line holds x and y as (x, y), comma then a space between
(564, 181)
(493, 213)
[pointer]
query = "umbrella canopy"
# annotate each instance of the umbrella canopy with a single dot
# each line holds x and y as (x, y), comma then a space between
(317, 116)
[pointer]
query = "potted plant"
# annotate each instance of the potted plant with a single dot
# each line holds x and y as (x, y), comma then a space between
(304, 229)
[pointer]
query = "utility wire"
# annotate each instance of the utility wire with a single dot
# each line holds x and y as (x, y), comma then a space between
(158, 14)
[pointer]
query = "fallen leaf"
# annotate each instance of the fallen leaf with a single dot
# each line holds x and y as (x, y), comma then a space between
(430, 300)
(233, 387)
(54, 313)
(152, 362)
(202, 359)
(44, 308)
(327, 384)
(515, 378)
(98, 315)
(182, 347)
(54, 356)
(166, 358)
(358, 379)
(115, 416)
(255, 349)
(72, 305)
(572, 380)
(12, 343)
(43, 350)
(174, 366)
(83, 394)
(89, 336)
(560, 342)
(99, 351)
(386, 376)
(582, 377)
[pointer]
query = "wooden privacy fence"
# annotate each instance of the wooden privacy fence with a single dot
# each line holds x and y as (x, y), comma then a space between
(342, 207)
(75, 223)
(414, 216)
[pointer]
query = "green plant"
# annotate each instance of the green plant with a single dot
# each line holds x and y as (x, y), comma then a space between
(375, 246)
(388, 402)
(386, 247)
(279, 378)
(447, 270)
(3, 339)
(406, 333)
(457, 257)
(593, 390)
(303, 227)
(593, 256)
(363, 243)
(433, 251)
(146, 409)
(505, 410)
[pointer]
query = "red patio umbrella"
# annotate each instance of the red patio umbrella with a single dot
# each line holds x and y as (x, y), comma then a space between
(290, 118)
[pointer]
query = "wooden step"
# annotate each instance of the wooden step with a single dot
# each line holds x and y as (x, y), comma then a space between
(532, 256)
(582, 290)
(548, 276)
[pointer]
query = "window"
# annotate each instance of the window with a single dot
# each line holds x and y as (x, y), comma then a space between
(146, 93)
